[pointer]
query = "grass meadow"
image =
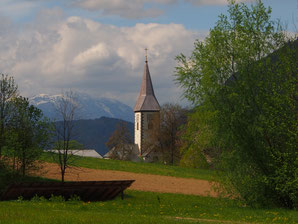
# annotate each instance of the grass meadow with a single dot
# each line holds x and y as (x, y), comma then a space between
(128, 166)
(141, 207)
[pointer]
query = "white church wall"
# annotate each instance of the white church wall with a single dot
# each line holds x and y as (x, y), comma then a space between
(138, 127)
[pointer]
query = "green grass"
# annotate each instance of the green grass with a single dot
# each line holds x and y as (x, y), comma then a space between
(142, 207)
(147, 168)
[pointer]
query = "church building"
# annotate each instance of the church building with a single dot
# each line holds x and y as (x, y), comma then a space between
(147, 108)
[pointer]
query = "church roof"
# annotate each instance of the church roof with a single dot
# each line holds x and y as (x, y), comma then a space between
(147, 100)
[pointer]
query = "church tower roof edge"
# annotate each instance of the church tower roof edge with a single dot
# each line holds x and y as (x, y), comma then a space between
(146, 100)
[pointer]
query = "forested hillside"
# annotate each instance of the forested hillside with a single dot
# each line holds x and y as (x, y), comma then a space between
(94, 133)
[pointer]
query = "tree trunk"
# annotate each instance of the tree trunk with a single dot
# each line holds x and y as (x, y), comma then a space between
(62, 175)
(2, 126)
(172, 156)
(24, 163)
(14, 163)
(1, 137)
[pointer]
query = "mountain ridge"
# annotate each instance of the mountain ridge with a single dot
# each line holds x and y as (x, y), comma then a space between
(90, 107)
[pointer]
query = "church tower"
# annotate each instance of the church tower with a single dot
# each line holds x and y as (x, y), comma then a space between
(146, 109)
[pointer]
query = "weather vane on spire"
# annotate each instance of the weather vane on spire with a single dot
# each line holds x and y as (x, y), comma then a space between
(146, 50)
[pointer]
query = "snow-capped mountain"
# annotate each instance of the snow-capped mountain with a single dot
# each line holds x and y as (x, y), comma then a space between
(90, 107)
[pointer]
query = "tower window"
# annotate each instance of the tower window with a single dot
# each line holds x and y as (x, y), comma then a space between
(137, 120)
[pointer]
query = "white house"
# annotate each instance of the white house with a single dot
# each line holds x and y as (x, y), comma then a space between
(79, 152)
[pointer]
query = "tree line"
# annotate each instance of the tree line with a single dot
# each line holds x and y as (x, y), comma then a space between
(242, 83)
(25, 132)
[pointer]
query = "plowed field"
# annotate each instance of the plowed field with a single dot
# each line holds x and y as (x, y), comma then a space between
(143, 182)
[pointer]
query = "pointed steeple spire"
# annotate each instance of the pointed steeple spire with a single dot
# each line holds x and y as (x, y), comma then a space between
(146, 100)
(146, 51)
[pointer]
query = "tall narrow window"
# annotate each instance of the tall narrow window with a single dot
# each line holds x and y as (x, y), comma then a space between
(137, 120)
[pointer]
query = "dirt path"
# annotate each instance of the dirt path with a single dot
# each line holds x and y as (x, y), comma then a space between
(144, 182)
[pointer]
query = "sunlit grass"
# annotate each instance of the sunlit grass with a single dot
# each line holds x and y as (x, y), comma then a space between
(147, 168)
(142, 207)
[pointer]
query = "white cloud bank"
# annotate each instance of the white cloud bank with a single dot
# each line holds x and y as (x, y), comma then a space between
(54, 53)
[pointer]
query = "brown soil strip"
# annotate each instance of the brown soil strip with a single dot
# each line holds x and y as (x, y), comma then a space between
(143, 182)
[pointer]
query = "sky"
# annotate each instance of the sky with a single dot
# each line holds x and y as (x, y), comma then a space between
(97, 46)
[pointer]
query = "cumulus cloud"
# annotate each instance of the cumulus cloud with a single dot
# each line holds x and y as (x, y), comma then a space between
(56, 52)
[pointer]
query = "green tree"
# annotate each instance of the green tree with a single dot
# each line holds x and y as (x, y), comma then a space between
(196, 146)
(243, 76)
(8, 91)
(27, 134)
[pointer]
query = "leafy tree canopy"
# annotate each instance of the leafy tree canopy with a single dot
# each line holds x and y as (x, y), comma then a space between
(242, 78)
(27, 133)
